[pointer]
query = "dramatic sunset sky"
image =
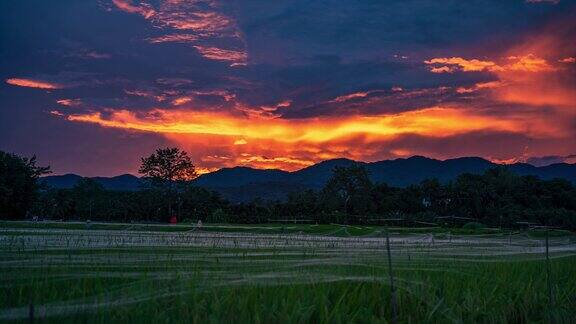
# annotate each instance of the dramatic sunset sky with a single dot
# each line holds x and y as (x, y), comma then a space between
(90, 86)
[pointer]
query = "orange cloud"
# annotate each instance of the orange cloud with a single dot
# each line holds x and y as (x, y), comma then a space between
(29, 83)
(442, 69)
(533, 72)
(473, 65)
(146, 94)
(480, 86)
(173, 38)
(273, 163)
(436, 121)
(528, 63)
(568, 60)
(203, 170)
(128, 6)
(219, 54)
(181, 100)
(350, 96)
(209, 21)
(533, 79)
(525, 63)
(56, 113)
(69, 102)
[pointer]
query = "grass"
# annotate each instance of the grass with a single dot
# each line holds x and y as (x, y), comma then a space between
(257, 274)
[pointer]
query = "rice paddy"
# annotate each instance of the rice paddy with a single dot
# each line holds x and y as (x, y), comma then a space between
(70, 272)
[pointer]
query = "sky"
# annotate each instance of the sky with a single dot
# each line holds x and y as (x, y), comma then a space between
(91, 86)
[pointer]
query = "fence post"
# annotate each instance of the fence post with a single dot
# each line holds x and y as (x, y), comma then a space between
(31, 313)
(391, 276)
(549, 280)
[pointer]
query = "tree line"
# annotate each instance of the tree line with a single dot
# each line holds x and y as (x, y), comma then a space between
(496, 198)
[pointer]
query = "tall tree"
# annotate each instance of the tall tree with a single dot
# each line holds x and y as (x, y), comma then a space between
(166, 169)
(18, 184)
(351, 186)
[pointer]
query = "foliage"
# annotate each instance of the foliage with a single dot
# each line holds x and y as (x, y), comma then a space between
(18, 184)
(168, 164)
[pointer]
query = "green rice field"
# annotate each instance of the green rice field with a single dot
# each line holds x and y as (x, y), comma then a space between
(292, 273)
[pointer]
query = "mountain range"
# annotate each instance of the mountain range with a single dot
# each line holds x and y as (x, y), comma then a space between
(244, 184)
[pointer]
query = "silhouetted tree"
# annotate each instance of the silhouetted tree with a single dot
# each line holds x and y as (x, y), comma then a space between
(18, 184)
(168, 165)
(166, 169)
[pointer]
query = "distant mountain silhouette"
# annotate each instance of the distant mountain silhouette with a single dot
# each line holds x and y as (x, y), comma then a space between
(62, 181)
(404, 172)
(240, 176)
(125, 182)
(245, 184)
(317, 175)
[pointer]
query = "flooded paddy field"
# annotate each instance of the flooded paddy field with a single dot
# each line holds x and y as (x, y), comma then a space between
(291, 273)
